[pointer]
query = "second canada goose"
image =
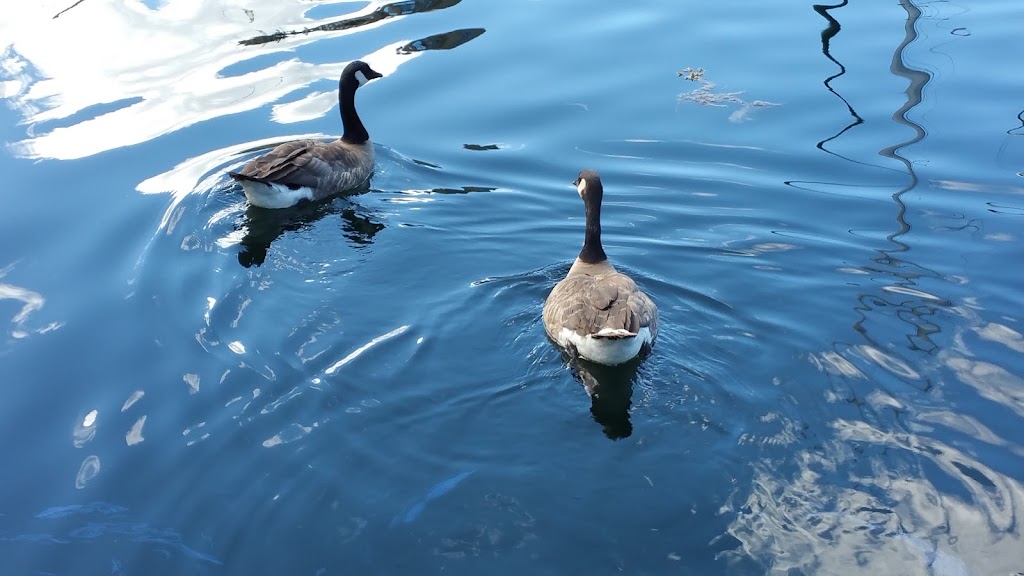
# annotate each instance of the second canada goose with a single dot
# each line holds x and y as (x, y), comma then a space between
(596, 312)
(310, 169)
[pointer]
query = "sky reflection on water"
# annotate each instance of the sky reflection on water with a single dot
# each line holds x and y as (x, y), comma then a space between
(132, 96)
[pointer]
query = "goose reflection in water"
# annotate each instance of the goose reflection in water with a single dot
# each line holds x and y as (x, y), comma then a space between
(260, 227)
(611, 392)
(263, 226)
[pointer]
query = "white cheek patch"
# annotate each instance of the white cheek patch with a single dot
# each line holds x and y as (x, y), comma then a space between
(361, 77)
(581, 187)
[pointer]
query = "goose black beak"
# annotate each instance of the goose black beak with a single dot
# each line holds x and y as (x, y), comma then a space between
(373, 75)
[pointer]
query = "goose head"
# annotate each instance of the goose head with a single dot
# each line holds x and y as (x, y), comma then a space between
(353, 76)
(358, 73)
(588, 185)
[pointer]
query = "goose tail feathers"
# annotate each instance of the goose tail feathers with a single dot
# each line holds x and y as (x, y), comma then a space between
(246, 178)
(614, 334)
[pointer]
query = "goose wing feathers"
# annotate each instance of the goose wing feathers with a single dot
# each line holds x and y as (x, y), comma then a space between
(309, 163)
(587, 304)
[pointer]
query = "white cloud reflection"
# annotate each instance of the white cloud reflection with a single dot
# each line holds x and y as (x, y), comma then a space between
(802, 523)
(109, 74)
(936, 494)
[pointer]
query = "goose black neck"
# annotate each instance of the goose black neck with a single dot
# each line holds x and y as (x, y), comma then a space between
(355, 132)
(592, 251)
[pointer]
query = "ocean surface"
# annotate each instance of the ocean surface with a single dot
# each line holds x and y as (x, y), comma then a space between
(826, 202)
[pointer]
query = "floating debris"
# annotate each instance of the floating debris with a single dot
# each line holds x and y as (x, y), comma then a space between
(705, 95)
(691, 74)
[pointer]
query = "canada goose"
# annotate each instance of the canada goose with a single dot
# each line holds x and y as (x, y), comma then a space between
(596, 312)
(310, 169)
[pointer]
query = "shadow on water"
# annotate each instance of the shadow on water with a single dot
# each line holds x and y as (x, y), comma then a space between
(402, 8)
(445, 41)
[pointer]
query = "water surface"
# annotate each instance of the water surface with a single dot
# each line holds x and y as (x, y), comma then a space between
(827, 213)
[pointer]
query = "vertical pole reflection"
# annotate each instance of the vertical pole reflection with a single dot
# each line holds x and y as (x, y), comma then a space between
(1015, 130)
(903, 274)
(827, 34)
(915, 313)
(915, 94)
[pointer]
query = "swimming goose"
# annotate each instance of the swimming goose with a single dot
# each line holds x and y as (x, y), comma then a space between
(310, 169)
(596, 312)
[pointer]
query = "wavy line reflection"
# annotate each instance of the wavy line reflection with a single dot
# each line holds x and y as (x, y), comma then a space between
(901, 484)
(827, 34)
(904, 296)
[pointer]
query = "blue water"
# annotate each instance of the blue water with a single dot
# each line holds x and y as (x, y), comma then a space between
(828, 213)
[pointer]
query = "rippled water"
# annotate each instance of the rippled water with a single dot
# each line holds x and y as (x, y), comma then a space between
(824, 201)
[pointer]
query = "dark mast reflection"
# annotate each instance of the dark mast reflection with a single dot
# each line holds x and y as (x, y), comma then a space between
(918, 311)
(915, 94)
(915, 311)
(830, 32)
(826, 36)
(1019, 130)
